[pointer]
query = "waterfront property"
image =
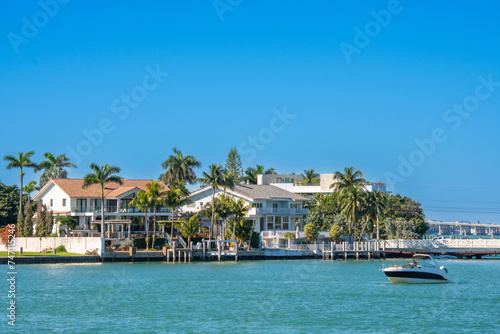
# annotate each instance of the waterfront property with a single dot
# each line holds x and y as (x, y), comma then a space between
(272, 209)
(292, 183)
(65, 197)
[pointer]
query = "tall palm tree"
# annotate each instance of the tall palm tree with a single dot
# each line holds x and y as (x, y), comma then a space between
(352, 202)
(190, 226)
(155, 190)
(214, 179)
(179, 167)
(143, 202)
(29, 188)
(349, 178)
(176, 196)
(102, 175)
(53, 167)
(310, 176)
(23, 160)
(376, 202)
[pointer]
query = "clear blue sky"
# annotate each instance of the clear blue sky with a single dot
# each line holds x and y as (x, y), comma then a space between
(357, 91)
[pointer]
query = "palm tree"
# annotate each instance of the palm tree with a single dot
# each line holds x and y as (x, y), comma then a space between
(29, 188)
(155, 191)
(347, 179)
(179, 167)
(214, 179)
(176, 196)
(53, 167)
(310, 176)
(251, 173)
(228, 180)
(143, 202)
(23, 160)
(102, 175)
(243, 230)
(352, 202)
(376, 204)
(239, 209)
(190, 226)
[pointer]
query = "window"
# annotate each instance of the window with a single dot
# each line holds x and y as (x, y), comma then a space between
(279, 180)
(64, 202)
(51, 202)
(286, 220)
(270, 222)
(257, 205)
(277, 223)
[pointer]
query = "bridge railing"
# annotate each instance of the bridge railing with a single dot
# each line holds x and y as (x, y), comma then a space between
(445, 243)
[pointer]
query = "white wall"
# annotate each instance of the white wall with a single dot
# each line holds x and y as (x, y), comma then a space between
(57, 195)
(73, 244)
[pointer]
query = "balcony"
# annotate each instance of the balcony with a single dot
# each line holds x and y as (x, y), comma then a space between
(278, 211)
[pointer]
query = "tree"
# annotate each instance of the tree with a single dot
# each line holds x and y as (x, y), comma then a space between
(176, 196)
(251, 173)
(28, 221)
(400, 229)
(40, 220)
(289, 236)
(348, 179)
(143, 202)
(53, 167)
(311, 233)
(214, 179)
(376, 205)
(243, 230)
(9, 232)
(9, 207)
(190, 226)
(23, 160)
(179, 167)
(155, 192)
(239, 209)
(234, 165)
(102, 175)
(28, 189)
(335, 233)
(20, 224)
(48, 222)
(67, 221)
(310, 176)
(352, 202)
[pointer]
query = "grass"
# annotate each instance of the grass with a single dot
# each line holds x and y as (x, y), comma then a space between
(16, 254)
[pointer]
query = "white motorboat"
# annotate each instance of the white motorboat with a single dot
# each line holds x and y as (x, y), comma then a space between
(422, 269)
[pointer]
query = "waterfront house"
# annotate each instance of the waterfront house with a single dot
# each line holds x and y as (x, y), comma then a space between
(273, 210)
(65, 197)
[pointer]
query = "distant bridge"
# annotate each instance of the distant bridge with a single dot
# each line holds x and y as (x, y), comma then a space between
(462, 228)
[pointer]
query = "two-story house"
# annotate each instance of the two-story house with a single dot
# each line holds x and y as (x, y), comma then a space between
(273, 210)
(65, 197)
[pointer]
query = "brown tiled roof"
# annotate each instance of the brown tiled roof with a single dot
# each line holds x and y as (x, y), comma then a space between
(73, 187)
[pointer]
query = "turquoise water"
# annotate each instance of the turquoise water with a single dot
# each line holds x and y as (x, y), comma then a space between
(261, 296)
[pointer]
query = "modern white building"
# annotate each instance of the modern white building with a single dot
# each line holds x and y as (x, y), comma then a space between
(272, 208)
(65, 197)
(290, 182)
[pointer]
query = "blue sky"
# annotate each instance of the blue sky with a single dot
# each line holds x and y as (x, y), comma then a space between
(408, 92)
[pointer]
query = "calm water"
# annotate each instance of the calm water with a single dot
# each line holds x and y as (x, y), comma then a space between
(264, 296)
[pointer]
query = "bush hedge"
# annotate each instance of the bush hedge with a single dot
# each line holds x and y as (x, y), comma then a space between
(140, 243)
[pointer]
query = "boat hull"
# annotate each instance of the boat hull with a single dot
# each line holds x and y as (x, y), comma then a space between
(415, 275)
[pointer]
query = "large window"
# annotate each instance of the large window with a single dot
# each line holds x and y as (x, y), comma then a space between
(277, 222)
(270, 223)
(286, 222)
(81, 205)
(257, 205)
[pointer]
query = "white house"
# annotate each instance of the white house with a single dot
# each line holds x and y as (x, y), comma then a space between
(290, 183)
(65, 197)
(272, 209)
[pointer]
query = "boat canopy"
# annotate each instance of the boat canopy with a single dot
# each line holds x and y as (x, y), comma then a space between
(422, 257)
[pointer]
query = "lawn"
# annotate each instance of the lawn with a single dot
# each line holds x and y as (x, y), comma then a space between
(16, 254)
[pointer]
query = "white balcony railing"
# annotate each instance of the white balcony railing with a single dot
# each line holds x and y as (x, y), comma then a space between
(277, 211)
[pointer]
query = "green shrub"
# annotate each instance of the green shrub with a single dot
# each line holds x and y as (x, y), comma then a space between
(255, 241)
(61, 249)
(53, 235)
(140, 243)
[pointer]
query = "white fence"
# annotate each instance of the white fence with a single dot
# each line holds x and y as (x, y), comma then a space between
(77, 245)
(441, 244)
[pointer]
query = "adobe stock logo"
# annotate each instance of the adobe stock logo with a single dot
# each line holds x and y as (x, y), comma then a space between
(454, 118)
(120, 106)
(249, 148)
(372, 29)
(30, 28)
(223, 6)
